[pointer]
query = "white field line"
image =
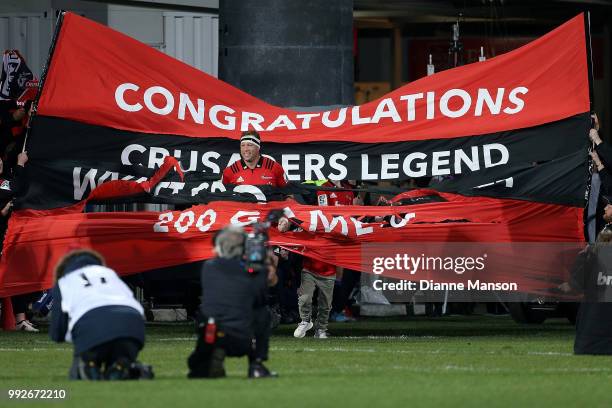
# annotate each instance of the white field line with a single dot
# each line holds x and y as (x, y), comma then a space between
(35, 349)
(351, 369)
(193, 338)
(438, 351)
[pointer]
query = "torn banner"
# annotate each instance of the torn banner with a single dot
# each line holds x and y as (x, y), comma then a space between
(134, 242)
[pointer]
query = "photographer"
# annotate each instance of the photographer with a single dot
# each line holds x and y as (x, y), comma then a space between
(235, 320)
(97, 312)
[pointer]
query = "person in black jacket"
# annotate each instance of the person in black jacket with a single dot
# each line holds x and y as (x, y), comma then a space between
(592, 277)
(235, 319)
(602, 160)
(11, 123)
(97, 312)
(12, 186)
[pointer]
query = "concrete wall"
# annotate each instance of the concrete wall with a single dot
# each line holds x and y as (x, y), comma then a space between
(191, 36)
(288, 53)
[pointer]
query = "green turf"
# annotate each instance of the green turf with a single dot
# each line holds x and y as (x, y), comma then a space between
(448, 362)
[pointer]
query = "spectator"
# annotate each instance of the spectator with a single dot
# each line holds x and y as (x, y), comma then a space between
(321, 275)
(315, 275)
(11, 187)
(601, 183)
(12, 120)
(346, 279)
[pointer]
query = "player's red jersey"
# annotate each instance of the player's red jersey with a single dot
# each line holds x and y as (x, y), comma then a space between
(334, 198)
(266, 172)
(318, 267)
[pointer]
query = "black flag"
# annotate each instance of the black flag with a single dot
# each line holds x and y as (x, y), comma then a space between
(15, 75)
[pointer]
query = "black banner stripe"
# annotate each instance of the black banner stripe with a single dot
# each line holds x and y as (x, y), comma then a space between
(545, 163)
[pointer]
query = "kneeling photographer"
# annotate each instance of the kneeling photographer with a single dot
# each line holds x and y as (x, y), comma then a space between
(95, 310)
(235, 318)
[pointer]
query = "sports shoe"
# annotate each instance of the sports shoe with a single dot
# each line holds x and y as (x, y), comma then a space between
(120, 370)
(258, 370)
(216, 368)
(338, 317)
(302, 328)
(25, 325)
(321, 334)
(140, 371)
(348, 314)
(89, 370)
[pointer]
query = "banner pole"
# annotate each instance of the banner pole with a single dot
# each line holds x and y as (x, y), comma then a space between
(34, 108)
(589, 50)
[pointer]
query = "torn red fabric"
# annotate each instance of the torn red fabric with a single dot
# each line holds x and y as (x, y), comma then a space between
(134, 242)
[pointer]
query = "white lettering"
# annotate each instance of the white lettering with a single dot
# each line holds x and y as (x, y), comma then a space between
(386, 109)
(411, 104)
(386, 166)
(251, 218)
(488, 148)
(196, 114)
(120, 100)
(327, 122)
(229, 121)
(125, 154)
(465, 97)
(519, 104)
(158, 90)
(485, 96)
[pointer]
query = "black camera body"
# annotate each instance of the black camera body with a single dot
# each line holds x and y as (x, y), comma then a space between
(256, 243)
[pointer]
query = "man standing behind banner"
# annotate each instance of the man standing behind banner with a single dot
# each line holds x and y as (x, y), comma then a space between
(253, 168)
(321, 275)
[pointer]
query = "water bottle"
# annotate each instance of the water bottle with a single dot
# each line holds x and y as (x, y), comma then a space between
(210, 331)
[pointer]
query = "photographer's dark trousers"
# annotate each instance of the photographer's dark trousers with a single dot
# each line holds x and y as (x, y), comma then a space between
(207, 359)
(125, 349)
(105, 355)
(103, 334)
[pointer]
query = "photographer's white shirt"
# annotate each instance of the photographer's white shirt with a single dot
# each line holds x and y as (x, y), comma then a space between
(91, 287)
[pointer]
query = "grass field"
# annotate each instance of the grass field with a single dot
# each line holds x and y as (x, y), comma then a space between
(448, 362)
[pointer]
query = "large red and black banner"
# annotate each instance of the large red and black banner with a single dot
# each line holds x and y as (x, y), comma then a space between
(113, 108)
(509, 133)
